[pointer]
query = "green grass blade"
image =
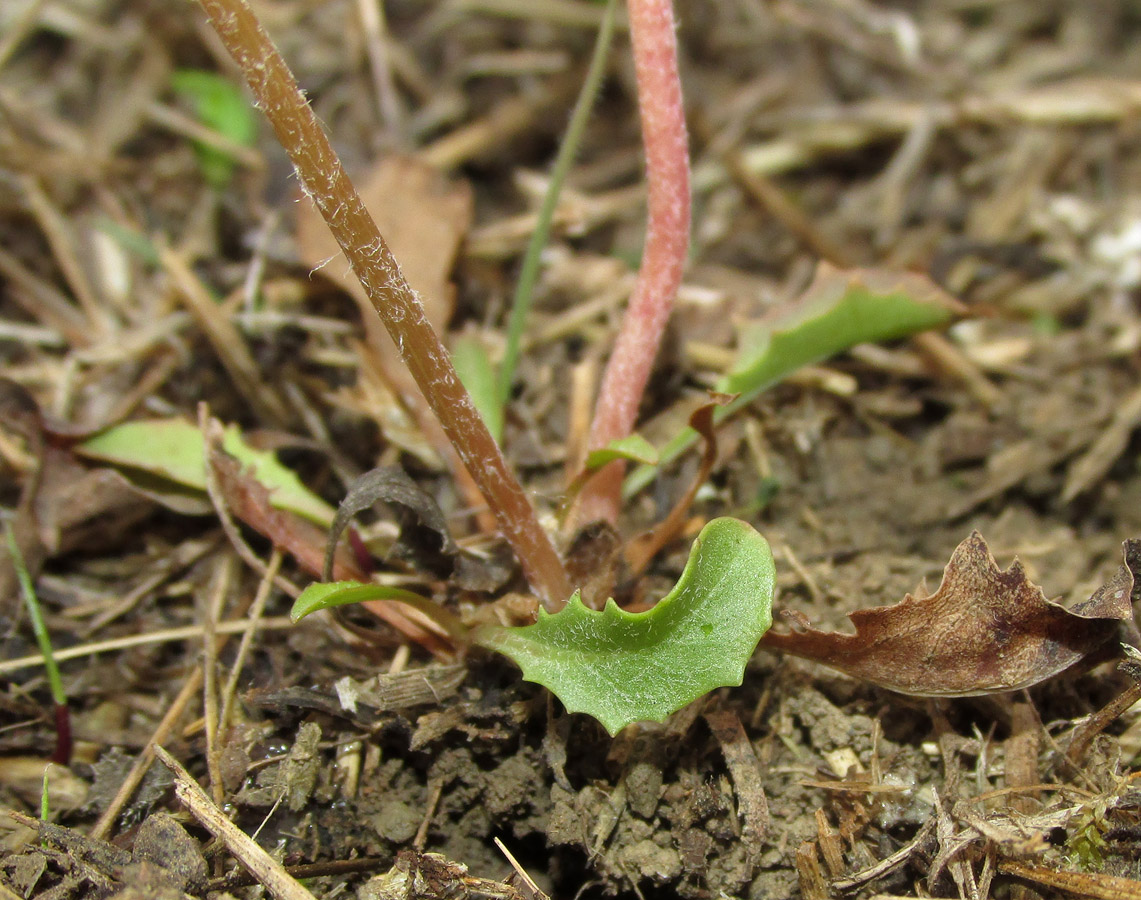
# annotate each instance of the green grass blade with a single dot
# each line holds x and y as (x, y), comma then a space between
(529, 272)
(45, 799)
(39, 628)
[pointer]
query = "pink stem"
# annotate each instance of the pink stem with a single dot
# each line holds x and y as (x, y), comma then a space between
(663, 257)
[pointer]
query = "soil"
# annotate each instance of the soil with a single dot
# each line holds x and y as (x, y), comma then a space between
(992, 146)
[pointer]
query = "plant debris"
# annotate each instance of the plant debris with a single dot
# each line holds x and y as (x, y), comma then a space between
(424, 536)
(985, 630)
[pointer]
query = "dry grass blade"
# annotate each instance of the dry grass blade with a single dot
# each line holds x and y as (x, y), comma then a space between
(528, 881)
(1079, 884)
(1083, 736)
(744, 768)
(226, 339)
(102, 828)
(161, 636)
(257, 611)
(269, 873)
(888, 863)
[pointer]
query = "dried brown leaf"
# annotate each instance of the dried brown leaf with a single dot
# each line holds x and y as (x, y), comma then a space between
(985, 630)
(424, 535)
(423, 216)
(247, 499)
(62, 503)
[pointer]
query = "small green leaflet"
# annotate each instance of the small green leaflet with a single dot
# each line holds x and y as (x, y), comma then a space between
(633, 448)
(173, 449)
(221, 106)
(841, 308)
(625, 667)
(326, 595)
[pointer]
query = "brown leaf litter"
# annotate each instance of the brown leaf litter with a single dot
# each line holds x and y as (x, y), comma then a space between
(423, 216)
(985, 630)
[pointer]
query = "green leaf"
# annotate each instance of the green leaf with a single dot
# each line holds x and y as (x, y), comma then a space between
(836, 313)
(633, 448)
(173, 449)
(625, 667)
(474, 367)
(326, 595)
(839, 310)
(221, 106)
(320, 596)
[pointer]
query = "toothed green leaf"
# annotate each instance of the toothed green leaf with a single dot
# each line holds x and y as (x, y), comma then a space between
(625, 667)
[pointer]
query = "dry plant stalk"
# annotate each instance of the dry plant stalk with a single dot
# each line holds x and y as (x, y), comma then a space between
(322, 177)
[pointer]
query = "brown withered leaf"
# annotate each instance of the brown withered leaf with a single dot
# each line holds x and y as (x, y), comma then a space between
(423, 216)
(62, 503)
(248, 500)
(424, 536)
(985, 630)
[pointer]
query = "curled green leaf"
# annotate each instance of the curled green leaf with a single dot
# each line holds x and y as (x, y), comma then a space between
(622, 667)
(326, 595)
(632, 448)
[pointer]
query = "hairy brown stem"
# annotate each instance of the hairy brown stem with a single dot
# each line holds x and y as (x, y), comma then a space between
(324, 180)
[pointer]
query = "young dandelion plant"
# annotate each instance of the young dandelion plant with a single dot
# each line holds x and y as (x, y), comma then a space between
(618, 666)
(622, 667)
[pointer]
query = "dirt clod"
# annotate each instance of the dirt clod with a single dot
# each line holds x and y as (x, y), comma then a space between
(163, 842)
